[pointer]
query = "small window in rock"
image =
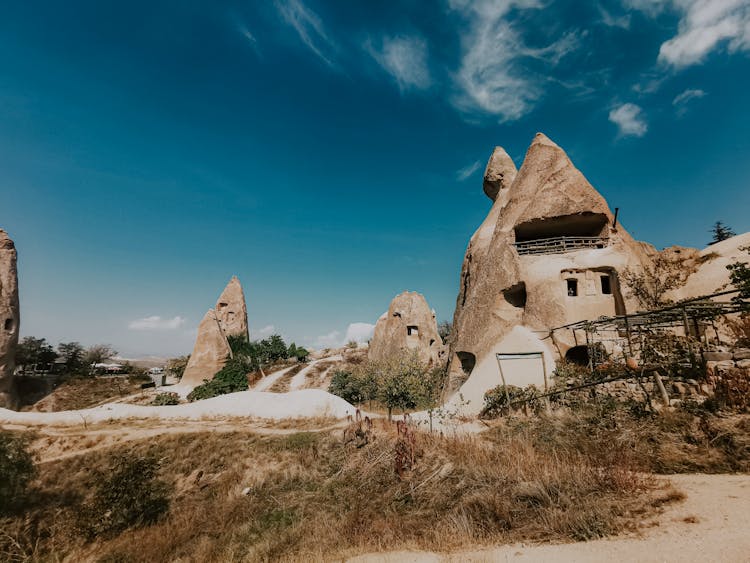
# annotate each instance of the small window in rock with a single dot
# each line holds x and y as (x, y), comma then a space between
(222, 306)
(8, 324)
(412, 331)
(572, 287)
(606, 285)
(432, 341)
(397, 314)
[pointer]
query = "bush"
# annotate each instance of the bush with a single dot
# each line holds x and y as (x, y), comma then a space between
(128, 495)
(496, 401)
(166, 399)
(16, 470)
(231, 379)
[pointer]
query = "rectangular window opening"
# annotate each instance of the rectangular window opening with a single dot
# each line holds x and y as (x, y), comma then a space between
(412, 331)
(572, 287)
(606, 285)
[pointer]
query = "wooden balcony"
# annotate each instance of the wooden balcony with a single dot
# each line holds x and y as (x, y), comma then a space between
(559, 245)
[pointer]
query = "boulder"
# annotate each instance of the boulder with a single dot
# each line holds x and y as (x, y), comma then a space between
(743, 364)
(548, 254)
(717, 356)
(9, 319)
(741, 354)
(409, 324)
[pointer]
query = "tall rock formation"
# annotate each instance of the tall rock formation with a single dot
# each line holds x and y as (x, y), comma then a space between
(211, 350)
(231, 309)
(409, 324)
(547, 254)
(9, 319)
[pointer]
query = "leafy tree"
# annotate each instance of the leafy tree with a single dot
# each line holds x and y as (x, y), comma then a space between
(301, 354)
(444, 329)
(275, 348)
(720, 232)
(98, 354)
(651, 285)
(292, 350)
(352, 345)
(72, 355)
(16, 470)
(34, 352)
(176, 366)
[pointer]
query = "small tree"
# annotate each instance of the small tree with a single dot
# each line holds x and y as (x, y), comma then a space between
(651, 285)
(72, 355)
(98, 354)
(720, 232)
(301, 354)
(34, 352)
(444, 330)
(739, 276)
(292, 350)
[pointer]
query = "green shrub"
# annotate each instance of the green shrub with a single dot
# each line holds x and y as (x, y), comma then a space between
(16, 470)
(129, 494)
(496, 401)
(165, 399)
(231, 378)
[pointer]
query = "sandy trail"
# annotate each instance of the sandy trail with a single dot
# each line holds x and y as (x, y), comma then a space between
(298, 381)
(712, 524)
(265, 383)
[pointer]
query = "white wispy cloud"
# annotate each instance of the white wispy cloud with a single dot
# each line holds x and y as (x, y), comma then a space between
(467, 171)
(682, 101)
(610, 20)
(405, 59)
(156, 322)
(705, 26)
(309, 27)
(489, 79)
(267, 330)
(629, 120)
(359, 332)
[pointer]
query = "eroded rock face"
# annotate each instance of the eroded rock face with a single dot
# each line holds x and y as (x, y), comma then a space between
(211, 348)
(409, 324)
(546, 255)
(499, 174)
(9, 319)
(231, 309)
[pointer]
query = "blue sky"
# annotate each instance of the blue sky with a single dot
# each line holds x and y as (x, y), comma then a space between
(330, 153)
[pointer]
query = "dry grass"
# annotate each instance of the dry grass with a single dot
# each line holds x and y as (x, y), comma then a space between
(83, 392)
(310, 496)
(671, 442)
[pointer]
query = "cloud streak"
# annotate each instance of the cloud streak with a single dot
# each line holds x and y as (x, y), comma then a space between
(405, 59)
(705, 26)
(309, 28)
(156, 322)
(467, 171)
(629, 120)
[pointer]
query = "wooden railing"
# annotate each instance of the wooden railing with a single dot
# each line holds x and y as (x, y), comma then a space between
(557, 245)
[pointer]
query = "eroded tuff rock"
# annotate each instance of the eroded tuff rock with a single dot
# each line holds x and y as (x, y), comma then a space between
(231, 309)
(9, 319)
(547, 254)
(499, 173)
(409, 324)
(211, 348)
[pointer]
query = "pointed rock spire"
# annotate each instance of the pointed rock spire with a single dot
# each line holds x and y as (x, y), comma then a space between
(499, 174)
(231, 309)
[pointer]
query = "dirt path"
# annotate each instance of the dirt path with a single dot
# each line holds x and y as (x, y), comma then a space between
(711, 525)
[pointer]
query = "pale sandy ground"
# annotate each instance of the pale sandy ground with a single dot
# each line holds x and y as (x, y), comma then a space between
(720, 504)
